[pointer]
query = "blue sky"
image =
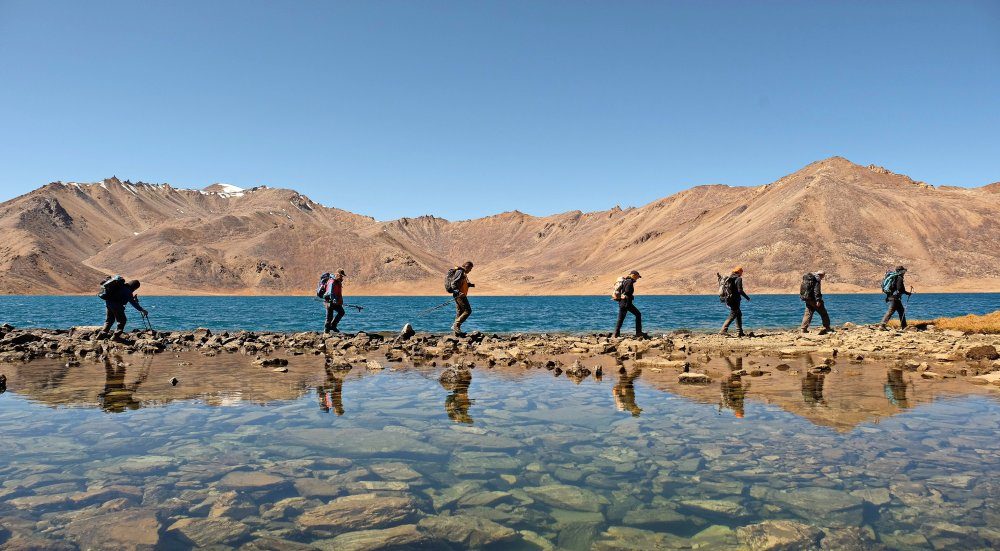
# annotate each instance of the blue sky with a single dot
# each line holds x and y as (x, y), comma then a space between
(464, 109)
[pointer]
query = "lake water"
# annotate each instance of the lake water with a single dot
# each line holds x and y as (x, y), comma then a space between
(233, 456)
(492, 314)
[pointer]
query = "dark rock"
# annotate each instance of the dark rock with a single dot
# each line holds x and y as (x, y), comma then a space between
(407, 332)
(174, 381)
(985, 352)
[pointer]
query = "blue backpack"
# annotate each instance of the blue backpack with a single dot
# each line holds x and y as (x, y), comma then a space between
(323, 280)
(889, 282)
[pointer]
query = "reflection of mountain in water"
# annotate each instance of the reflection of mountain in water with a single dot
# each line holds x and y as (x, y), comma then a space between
(843, 398)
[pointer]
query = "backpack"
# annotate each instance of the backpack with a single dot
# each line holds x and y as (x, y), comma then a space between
(616, 291)
(450, 280)
(889, 282)
(808, 287)
(110, 286)
(727, 288)
(321, 288)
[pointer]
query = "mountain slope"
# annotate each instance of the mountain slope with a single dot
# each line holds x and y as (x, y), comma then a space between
(850, 220)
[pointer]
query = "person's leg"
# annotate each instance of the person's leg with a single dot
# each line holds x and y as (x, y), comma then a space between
(622, 310)
(888, 314)
(340, 314)
(739, 320)
(807, 317)
(121, 319)
(823, 315)
(109, 319)
(638, 319)
(463, 310)
(329, 318)
(902, 313)
(729, 320)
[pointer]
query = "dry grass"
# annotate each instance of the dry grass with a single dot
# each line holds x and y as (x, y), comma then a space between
(986, 324)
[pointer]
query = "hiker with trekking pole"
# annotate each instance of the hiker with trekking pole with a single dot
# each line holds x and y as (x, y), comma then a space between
(331, 290)
(894, 289)
(456, 282)
(117, 293)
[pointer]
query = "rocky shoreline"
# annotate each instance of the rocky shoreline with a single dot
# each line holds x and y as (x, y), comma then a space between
(934, 354)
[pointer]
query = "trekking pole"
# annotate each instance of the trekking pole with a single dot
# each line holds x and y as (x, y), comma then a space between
(909, 295)
(145, 317)
(360, 308)
(433, 308)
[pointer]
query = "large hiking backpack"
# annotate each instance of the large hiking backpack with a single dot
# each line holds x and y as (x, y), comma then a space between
(808, 287)
(110, 286)
(321, 288)
(727, 288)
(889, 282)
(616, 291)
(450, 280)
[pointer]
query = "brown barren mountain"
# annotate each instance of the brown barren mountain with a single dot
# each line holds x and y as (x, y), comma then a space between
(850, 220)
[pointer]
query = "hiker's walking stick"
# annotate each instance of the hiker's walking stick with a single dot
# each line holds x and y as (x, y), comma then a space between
(909, 295)
(145, 317)
(433, 308)
(360, 308)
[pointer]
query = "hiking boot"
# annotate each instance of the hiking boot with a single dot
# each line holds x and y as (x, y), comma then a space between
(741, 334)
(806, 331)
(724, 332)
(642, 336)
(825, 330)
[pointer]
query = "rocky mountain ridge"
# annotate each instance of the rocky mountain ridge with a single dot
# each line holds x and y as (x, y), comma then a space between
(853, 221)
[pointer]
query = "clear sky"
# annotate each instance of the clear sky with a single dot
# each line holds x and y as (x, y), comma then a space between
(468, 108)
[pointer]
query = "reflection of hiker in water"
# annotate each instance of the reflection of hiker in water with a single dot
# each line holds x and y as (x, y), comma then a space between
(733, 391)
(118, 396)
(812, 389)
(331, 394)
(895, 389)
(624, 393)
(457, 404)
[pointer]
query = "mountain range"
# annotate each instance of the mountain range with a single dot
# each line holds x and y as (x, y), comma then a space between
(852, 221)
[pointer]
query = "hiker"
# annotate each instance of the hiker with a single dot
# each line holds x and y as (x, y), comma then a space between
(894, 289)
(116, 294)
(457, 283)
(333, 298)
(624, 294)
(812, 294)
(731, 294)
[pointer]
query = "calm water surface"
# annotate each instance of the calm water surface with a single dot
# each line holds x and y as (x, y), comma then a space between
(631, 462)
(494, 314)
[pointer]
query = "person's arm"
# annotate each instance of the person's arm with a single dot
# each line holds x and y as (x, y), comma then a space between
(338, 293)
(134, 301)
(818, 291)
(739, 288)
(457, 281)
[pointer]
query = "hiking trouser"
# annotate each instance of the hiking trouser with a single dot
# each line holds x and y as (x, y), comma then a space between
(624, 307)
(895, 305)
(817, 307)
(116, 313)
(462, 310)
(735, 313)
(331, 321)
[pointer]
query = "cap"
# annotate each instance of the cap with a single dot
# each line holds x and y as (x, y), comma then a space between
(341, 273)
(821, 272)
(737, 269)
(635, 273)
(900, 268)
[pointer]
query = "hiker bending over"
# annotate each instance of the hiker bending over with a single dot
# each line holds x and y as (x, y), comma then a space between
(457, 283)
(624, 294)
(894, 289)
(812, 294)
(332, 291)
(731, 294)
(116, 294)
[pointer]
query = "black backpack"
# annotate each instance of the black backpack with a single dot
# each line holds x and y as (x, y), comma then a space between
(321, 288)
(727, 288)
(450, 280)
(111, 286)
(808, 287)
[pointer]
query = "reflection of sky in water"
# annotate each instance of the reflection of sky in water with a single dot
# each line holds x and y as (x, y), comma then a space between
(644, 451)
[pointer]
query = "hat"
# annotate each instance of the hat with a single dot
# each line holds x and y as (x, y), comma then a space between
(737, 269)
(900, 268)
(634, 273)
(821, 273)
(341, 273)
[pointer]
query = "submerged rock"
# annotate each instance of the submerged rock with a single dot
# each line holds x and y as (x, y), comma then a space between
(779, 535)
(398, 537)
(466, 530)
(358, 512)
(569, 497)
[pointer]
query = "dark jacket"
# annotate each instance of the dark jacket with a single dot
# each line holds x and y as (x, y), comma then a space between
(122, 296)
(815, 294)
(898, 289)
(335, 291)
(738, 286)
(628, 289)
